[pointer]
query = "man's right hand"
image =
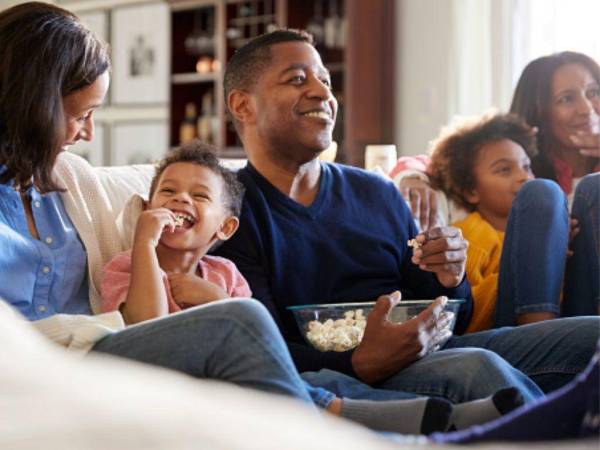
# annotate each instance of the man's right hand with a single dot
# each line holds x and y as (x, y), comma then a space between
(387, 348)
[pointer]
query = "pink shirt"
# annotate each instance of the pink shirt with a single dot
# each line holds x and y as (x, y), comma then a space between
(116, 277)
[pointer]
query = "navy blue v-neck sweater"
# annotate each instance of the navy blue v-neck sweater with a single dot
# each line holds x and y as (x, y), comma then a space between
(350, 244)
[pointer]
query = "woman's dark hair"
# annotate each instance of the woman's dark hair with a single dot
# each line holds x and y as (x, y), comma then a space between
(532, 100)
(204, 155)
(454, 153)
(46, 53)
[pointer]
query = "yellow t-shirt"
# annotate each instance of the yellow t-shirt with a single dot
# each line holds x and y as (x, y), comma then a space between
(483, 267)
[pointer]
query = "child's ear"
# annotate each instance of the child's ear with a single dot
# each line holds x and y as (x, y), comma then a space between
(241, 106)
(228, 228)
(471, 196)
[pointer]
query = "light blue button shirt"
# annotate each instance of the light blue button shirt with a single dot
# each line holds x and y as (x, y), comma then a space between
(46, 276)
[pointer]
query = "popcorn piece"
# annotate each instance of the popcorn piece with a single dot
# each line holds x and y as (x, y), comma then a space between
(414, 243)
(179, 221)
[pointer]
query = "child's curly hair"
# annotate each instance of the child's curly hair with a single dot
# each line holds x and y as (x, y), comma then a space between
(455, 151)
(204, 155)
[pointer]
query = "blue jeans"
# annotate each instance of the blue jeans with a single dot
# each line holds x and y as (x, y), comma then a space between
(534, 254)
(582, 278)
(535, 358)
(235, 341)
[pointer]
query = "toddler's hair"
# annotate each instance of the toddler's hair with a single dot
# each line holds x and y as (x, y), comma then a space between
(204, 155)
(455, 151)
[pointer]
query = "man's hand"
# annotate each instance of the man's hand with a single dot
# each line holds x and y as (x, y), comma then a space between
(151, 224)
(423, 201)
(588, 143)
(386, 347)
(190, 289)
(442, 251)
(574, 230)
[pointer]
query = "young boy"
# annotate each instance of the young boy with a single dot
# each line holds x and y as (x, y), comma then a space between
(193, 205)
(517, 229)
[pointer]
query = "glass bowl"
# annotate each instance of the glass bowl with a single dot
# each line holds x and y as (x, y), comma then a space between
(340, 326)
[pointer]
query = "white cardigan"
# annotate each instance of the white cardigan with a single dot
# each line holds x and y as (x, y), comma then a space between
(93, 211)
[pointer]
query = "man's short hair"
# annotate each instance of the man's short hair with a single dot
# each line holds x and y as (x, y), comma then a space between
(454, 153)
(250, 60)
(204, 155)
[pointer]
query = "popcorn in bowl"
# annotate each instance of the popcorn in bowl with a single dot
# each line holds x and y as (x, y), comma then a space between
(337, 335)
(340, 327)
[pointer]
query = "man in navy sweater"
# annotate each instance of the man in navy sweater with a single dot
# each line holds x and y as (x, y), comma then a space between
(323, 233)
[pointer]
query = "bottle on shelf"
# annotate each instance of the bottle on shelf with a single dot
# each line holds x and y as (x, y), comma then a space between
(204, 124)
(187, 129)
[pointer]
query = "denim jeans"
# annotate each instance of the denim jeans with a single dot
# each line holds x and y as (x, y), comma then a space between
(582, 278)
(536, 359)
(534, 255)
(234, 340)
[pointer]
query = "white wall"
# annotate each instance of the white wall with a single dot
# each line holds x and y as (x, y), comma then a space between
(423, 32)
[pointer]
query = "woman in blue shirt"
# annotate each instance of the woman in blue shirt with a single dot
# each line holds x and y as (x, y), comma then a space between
(54, 73)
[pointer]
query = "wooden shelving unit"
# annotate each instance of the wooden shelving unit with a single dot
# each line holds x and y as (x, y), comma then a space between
(205, 33)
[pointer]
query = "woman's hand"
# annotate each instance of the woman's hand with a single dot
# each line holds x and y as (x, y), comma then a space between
(189, 289)
(151, 224)
(588, 143)
(423, 201)
(573, 231)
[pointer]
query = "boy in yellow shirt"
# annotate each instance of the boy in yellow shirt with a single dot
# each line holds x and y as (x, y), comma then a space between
(518, 228)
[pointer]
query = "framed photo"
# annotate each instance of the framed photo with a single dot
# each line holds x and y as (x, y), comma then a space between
(140, 42)
(138, 143)
(92, 151)
(97, 21)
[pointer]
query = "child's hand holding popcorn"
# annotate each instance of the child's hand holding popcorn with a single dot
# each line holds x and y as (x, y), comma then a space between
(151, 224)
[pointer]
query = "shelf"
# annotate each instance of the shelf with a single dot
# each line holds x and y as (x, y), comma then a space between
(252, 20)
(336, 67)
(194, 77)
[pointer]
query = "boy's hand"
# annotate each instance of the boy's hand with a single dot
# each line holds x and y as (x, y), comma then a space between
(190, 289)
(442, 251)
(151, 224)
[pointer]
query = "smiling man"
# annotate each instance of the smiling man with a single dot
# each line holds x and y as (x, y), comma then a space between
(313, 232)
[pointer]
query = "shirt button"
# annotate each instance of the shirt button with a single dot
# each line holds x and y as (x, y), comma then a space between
(42, 308)
(46, 269)
(49, 240)
(37, 204)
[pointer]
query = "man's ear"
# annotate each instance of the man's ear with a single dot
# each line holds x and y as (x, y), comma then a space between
(228, 228)
(241, 106)
(471, 196)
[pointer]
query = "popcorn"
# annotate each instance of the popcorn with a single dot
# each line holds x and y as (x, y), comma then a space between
(338, 335)
(179, 221)
(414, 243)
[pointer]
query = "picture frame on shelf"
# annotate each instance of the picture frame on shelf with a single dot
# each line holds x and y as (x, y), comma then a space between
(138, 142)
(140, 36)
(92, 151)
